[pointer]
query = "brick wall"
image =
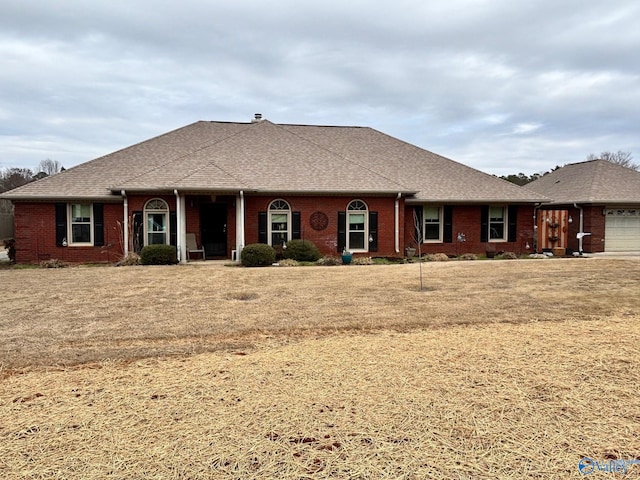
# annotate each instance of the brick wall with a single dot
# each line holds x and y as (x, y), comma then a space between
(35, 227)
(35, 234)
(467, 220)
(326, 240)
(594, 223)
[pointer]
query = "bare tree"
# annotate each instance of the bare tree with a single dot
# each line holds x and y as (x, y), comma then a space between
(11, 178)
(417, 238)
(621, 158)
(50, 167)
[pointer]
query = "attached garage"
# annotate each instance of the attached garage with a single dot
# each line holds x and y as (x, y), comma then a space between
(622, 230)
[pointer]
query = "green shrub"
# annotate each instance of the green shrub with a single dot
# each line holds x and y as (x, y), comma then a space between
(257, 255)
(158, 255)
(10, 245)
(302, 251)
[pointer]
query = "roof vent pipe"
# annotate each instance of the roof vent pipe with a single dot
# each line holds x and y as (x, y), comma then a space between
(257, 118)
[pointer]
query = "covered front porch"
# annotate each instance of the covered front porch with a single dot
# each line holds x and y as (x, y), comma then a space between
(213, 220)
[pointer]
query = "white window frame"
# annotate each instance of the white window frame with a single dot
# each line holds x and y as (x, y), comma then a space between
(147, 210)
(357, 207)
(504, 222)
(278, 207)
(71, 223)
(424, 224)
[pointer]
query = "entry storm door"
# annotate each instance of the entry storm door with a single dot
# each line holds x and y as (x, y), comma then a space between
(213, 225)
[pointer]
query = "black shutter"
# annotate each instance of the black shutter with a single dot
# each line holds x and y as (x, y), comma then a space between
(447, 217)
(513, 223)
(342, 231)
(138, 231)
(61, 224)
(373, 231)
(296, 232)
(262, 227)
(173, 229)
(484, 223)
(98, 224)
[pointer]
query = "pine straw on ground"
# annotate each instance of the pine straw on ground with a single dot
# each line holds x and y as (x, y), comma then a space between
(470, 401)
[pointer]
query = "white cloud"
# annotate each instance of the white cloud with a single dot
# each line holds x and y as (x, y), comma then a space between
(496, 84)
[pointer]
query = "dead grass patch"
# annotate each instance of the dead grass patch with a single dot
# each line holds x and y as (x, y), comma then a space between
(78, 315)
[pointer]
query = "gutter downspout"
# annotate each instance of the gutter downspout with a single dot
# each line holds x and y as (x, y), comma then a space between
(397, 223)
(535, 227)
(581, 232)
(240, 221)
(125, 222)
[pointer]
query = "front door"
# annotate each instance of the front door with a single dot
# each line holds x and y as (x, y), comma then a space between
(213, 222)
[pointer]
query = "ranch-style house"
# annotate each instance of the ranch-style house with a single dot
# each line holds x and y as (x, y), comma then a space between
(224, 185)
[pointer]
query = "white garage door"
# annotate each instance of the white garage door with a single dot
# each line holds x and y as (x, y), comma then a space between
(622, 230)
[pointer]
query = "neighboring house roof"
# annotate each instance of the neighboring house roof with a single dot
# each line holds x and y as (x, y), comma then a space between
(265, 157)
(593, 181)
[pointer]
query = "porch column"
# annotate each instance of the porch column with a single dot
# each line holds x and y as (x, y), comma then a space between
(181, 227)
(240, 239)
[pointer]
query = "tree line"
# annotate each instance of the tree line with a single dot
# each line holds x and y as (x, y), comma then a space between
(11, 178)
(624, 159)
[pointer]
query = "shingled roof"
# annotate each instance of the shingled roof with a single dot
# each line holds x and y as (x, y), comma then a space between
(264, 157)
(593, 181)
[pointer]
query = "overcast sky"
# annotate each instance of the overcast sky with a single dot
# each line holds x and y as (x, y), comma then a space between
(501, 85)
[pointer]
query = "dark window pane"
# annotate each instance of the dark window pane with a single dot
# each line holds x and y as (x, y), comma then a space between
(356, 240)
(496, 231)
(432, 232)
(278, 238)
(81, 233)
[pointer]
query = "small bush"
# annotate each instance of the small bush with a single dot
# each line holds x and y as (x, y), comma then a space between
(53, 263)
(257, 255)
(468, 256)
(329, 261)
(288, 262)
(437, 257)
(131, 259)
(507, 256)
(362, 261)
(158, 255)
(10, 246)
(302, 251)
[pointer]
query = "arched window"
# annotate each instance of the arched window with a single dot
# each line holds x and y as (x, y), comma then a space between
(156, 224)
(279, 223)
(357, 226)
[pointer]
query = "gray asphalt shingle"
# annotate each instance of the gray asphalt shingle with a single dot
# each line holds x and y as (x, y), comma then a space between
(593, 181)
(268, 157)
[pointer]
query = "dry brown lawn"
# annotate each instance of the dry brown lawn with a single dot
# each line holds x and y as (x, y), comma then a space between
(498, 370)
